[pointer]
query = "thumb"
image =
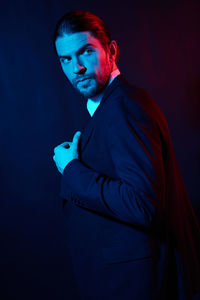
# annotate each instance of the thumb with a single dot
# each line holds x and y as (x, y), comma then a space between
(76, 137)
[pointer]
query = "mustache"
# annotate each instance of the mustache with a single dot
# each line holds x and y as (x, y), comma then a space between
(92, 76)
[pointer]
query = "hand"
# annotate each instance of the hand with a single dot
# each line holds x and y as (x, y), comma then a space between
(66, 152)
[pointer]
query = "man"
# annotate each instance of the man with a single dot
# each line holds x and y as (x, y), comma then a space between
(131, 230)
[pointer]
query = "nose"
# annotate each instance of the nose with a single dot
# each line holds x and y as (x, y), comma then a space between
(78, 68)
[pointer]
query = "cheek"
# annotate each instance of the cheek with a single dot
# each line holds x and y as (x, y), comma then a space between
(104, 67)
(91, 63)
(66, 71)
(101, 64)
(98, 60)
(104, 60)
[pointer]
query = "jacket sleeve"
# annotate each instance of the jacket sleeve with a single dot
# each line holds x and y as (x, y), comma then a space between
(136, 154)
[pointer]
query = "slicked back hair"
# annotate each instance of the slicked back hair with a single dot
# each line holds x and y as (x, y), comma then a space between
(82, 20)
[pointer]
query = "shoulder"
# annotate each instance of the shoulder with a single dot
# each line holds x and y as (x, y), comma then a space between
(132, 102)
(133, 106)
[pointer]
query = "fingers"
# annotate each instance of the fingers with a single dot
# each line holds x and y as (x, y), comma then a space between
(76, 138)
(68, 144)
(65, 145)
(57, 164)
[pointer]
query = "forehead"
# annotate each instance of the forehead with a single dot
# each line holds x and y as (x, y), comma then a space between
(72, 42)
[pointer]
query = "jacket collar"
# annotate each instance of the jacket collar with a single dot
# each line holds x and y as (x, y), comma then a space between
(112, 87)
(111, 90)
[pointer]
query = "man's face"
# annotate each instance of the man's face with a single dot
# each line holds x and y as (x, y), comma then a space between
(84, 61)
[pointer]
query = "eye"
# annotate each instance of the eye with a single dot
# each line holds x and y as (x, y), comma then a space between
(65, 60)
(88, 51)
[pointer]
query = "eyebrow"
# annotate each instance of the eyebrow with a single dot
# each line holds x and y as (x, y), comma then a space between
(78, 51)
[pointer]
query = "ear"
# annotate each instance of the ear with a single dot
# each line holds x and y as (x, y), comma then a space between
(113, 50)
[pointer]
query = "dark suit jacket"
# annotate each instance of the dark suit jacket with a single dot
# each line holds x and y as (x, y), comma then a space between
(124, 201)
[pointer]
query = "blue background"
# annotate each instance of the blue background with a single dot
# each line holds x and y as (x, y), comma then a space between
(160, 48)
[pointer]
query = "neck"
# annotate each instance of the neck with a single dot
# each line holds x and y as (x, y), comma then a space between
(112, 75)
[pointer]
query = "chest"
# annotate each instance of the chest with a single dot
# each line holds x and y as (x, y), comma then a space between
(95, 149)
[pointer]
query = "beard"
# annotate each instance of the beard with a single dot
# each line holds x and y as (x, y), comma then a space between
(94, 85)
(91, 87)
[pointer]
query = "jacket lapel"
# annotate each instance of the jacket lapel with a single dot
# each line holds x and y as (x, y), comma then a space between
(89, 129)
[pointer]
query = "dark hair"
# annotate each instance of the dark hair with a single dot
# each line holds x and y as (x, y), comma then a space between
(82, 20)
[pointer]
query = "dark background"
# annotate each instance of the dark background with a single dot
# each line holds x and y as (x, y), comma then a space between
(160, 48)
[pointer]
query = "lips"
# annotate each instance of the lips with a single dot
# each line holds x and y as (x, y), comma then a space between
(83, 79)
